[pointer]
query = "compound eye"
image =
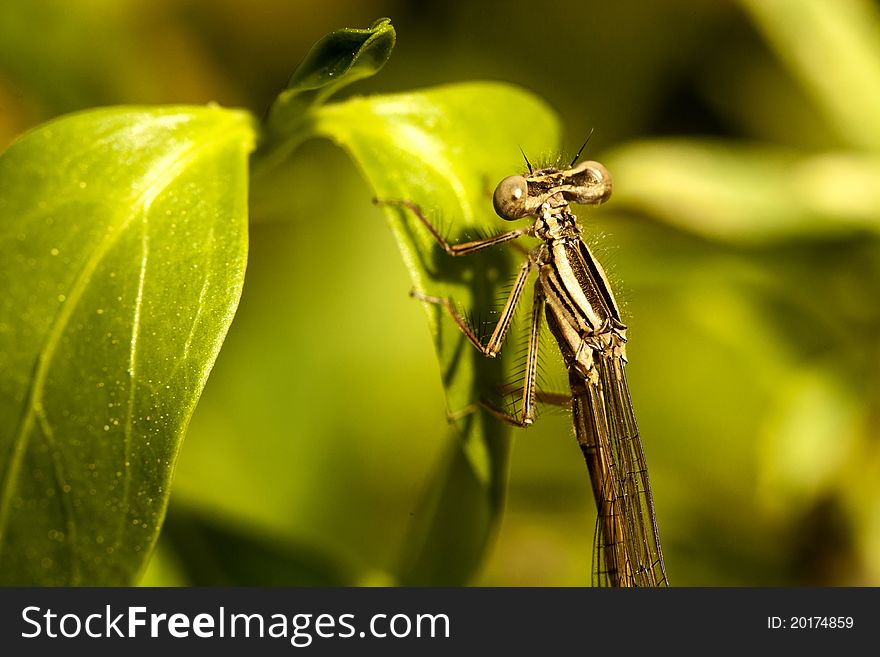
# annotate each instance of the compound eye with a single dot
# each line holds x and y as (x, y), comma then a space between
(511, 198)
(591, 184)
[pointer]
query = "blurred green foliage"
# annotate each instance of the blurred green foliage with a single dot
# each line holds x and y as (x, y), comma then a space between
(742, 237)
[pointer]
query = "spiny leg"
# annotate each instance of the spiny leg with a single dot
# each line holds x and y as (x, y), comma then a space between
(528, 398)
(499, 333)
(552, 398)
(560, 399)
(494, 345)
(527, 415)
(529, 394)
(466, 248)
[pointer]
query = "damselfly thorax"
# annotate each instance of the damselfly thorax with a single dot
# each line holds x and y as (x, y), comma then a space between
(572, 292)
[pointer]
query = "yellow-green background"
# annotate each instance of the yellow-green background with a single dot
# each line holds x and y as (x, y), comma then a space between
(745, 254)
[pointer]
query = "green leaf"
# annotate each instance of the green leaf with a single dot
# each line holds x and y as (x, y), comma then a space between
(339, 59)
(747, 193)
(124, 233)
(443, 149)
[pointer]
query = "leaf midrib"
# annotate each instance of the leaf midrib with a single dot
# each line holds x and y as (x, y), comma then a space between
(168, 170)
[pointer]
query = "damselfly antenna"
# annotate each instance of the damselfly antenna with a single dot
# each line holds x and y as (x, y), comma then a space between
(580, 150)
(528, 164)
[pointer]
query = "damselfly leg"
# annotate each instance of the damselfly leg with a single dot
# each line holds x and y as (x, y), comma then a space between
(496, 340)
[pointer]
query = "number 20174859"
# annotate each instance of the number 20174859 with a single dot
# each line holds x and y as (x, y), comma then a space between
(810, 623)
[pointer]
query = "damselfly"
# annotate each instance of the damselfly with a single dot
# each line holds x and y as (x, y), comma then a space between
(573, 293)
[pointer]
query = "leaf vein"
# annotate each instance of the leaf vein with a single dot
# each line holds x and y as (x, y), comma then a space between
(132, 377)
(61, 480)
(159, 176)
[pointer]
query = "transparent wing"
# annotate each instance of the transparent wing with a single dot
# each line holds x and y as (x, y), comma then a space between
(627, 543)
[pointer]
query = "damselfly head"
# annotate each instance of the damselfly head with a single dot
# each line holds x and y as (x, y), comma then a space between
(587, 183)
